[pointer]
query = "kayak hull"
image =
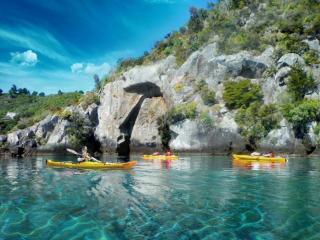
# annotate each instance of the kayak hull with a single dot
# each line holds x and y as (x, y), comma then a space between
(159, 157)
(258, 158)
(92, 165)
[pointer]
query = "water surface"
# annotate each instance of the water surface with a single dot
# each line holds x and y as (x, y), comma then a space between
(197, 197)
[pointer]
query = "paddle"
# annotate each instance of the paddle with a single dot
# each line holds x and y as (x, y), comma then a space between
(76, 153)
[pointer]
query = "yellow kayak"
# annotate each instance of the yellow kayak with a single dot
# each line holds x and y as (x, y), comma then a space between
(258, 158)
(92, 165)
(159, 157)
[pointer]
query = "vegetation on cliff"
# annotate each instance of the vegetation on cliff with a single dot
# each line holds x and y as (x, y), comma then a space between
(31, 107)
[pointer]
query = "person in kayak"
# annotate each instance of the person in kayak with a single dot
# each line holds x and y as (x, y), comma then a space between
(85, 155)
(254, 154)
(168, 153)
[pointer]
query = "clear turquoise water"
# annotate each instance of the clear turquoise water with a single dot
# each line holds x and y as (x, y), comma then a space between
(198, 197)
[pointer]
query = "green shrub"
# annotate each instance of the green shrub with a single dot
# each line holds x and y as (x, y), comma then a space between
(257, 121)
(164, 131)
(311, 57)
(301, 114)
(290, 43)
(32, 108)
(300, 83)
(208, 96)
(78, 131)
(206, 120)
(183, 111)
(89, 98)
(241, 94)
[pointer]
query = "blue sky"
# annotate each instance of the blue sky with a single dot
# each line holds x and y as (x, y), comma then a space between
(59, 44)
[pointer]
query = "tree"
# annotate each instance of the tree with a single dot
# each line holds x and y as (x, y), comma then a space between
(60, 92)
(197, 18)
(13, 91)
(42, 94)
(241, 94)
(23, 91)
(300, 83)
(97, 83)
(1, 91)
(34, 93)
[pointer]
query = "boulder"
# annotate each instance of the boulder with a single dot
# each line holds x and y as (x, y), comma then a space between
(313, 44)
(58, 134)
(282, 140)
(18, 137)
(10, 115)
(281, 75)
(289, 60)
(191, 136)
(45, 126)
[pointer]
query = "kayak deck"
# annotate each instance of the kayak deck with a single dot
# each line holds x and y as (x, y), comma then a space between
(159, 157)
(92, 165)
(258, 158)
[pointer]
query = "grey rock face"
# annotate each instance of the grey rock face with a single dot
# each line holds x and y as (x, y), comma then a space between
(189, 136)
(58, 134)
(314, 45)
(115, 108)
(282, 140)
(145, 131)
(3, 138)
(281, 75)
(290, 59)
(18, 137)
(44, 127)
(10, 115)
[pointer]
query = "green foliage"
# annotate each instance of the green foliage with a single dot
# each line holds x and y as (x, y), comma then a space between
(301, 114)
(300, 83)
(197, 17)
(78, 131)
(290, 43)
(270, 71)
(206, 120)
(257, 121)
(164, 131)
(208, 96)
(88, 99)
(183, 111)
(241, 94)
(311, 57)
(31, 108)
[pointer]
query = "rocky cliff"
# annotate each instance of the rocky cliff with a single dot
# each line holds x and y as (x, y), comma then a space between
(132, 104)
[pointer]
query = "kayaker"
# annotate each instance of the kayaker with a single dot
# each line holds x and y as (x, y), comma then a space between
(269, 154)
(255, 154)
(85, 155)
(168, 153)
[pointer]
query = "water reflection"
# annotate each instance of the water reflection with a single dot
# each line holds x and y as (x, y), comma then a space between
(195, 197)
(258, 165)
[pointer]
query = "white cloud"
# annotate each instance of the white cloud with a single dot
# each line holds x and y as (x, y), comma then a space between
(27, 58)
(76, 67)
(90, 68)
(36, 39)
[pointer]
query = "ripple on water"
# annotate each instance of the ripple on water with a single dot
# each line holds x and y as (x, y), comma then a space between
(199, 197)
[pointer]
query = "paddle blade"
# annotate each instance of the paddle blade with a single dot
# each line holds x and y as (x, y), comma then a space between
(73, 151)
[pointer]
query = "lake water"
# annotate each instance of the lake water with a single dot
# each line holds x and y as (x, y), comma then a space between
(197, 197)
